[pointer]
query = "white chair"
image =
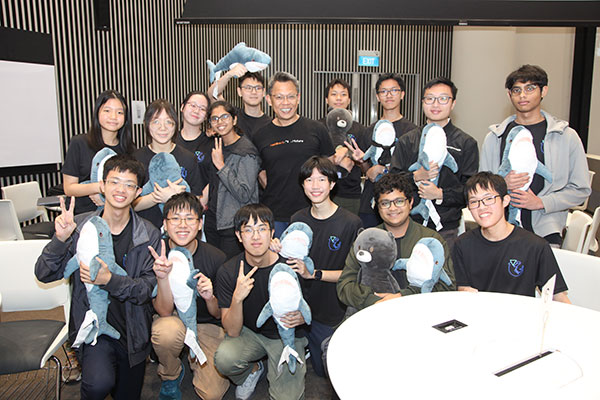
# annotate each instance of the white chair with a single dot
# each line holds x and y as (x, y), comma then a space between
(28, 345)
(24, 197)
(578, 224)
(10, 229)
(590, 239)
(583, 206)
(582, 275)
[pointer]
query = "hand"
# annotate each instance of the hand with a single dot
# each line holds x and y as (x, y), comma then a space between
(467, 289)
(162, 266)
(237, 71)
(374, 171)
(355, 152)
(217, 154)
(429, 191)
(292, 319)
(64, 225)
(387, 296)
(340, 153)
(515, 180)
(275, 245)
(299, 267)
(102, 278)
(527, 200)
(96, 199)
(204, 286)
(244, 283)
(161, 195)
(210, 132)
(423, 175)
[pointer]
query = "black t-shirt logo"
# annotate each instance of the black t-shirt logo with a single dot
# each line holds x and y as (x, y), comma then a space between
(515, 268)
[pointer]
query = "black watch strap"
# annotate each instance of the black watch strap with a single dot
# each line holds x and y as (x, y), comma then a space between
(318, 275)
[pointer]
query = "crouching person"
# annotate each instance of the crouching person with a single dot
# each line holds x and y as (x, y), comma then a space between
(182, 222)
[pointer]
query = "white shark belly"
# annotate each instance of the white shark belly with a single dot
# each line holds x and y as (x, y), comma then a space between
(183, 295)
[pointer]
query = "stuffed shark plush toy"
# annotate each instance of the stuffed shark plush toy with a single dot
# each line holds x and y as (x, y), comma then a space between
(163, 167)
(519, 155)
(339, 122)
(384, 143)
(95, 240)
(253, 59)
(285, 296)
(424, 268)
(296, 241)
(97, 171)
(432, 147)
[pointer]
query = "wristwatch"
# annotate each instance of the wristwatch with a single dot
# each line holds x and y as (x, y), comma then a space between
(318, 275)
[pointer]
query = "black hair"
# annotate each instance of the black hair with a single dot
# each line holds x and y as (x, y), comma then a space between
(341, 82)
(183, 201)
(255, 212)
(440, 80)
(228, 108)
(488, 181)
(251, 75)
(390, 182)
(153, 110)
(124, 135)
(124, 163)
(385, 77)
(282, 77)
(527, 73)
(322, 164)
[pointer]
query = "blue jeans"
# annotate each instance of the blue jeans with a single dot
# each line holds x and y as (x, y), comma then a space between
(280, 226)
(317, 333)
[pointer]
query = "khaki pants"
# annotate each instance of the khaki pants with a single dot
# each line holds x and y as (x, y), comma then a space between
(168, 334)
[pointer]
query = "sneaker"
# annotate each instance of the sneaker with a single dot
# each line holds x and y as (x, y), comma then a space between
(245, 390)
(171, 390)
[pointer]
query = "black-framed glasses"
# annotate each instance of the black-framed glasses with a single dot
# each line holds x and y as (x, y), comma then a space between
(486, 201)
(399, 202)
(393, 92)
(517, 90)
(250, 88)
(442, 100)
(215, 119)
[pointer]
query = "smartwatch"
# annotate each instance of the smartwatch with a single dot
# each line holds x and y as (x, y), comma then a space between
(318, 275)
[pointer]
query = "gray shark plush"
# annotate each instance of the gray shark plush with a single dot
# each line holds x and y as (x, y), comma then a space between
(383, 144)
(296, 241)
(253, 59)
(285, 295)
(163, 167)
(424, 268)
(95, 240)
(97, 170)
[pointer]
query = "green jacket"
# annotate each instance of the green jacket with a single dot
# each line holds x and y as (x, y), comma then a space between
(352, 293)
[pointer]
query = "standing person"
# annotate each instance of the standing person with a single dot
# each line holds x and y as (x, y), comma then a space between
(191, 136)
(545, 205)
(110, 366)
(390, 89)
(232, 178)
(438, 100)
(111, 127)
(243, 290)
(182, 222)
(160, 125)
(251, 89)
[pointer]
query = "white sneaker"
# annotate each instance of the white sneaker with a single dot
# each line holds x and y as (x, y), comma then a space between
(245, 390)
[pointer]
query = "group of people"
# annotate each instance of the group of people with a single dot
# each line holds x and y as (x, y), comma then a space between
(249, 177)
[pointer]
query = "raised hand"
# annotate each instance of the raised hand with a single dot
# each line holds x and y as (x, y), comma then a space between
(204, 286)
(355, 152)
(299, 267)
(217, 154)
(64, 224)
(237, 71)
(162, 266)
(244, 283)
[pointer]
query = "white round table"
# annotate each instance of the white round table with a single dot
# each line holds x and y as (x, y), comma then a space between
(391, 350)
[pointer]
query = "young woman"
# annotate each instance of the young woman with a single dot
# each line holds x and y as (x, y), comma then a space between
(111, 127)
(160, 125)
(232, 179)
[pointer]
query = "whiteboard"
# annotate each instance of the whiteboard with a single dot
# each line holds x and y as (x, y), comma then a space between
(29, 127)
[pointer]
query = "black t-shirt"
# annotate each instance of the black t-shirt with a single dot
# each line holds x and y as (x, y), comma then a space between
(78, 163)
(189, 172)
(201, 147)
(332, 240)
(283, 150)
(249, 124)
(117, 316)
(257, 298)
(401, 127)
(517, 264)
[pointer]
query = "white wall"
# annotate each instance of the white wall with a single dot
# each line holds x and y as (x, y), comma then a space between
(594, 131)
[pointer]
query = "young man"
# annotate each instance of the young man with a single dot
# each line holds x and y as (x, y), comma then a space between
(251, 89)
(284, 145)
(242, 286)
(182, 222)
(499, 257)
(394, 199)
(110, 366)
(334, 230)
(390, 89)
(438, 100)
(545, 205)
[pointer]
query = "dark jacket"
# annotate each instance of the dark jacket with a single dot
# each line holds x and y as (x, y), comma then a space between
(135, 289)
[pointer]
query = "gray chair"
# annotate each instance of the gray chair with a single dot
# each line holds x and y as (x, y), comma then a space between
(24, 197)
(582, 275)
(10, 229)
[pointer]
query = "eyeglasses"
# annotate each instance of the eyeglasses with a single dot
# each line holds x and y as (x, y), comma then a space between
(393, 92)
(188, 220)
(167, 123)
(280, 97)
(399, 202)
(517, 90)
(442, 100)
(487, 201)
(129, 186)
(196, 107)
(250, 231)
(250, 88)
(215, 119)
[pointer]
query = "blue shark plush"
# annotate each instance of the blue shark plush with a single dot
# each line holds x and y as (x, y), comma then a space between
(163, 167)
(432, 147)
(97, 170)
(383, 145)
(425, 267)
(253, 59)
(95, 240)
(296, 241)
(285, 296)
(520, 155)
